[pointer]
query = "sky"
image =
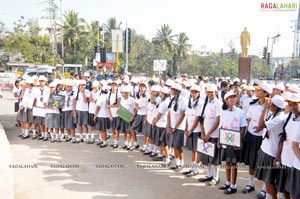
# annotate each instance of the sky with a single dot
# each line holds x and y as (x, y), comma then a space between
(209, 24)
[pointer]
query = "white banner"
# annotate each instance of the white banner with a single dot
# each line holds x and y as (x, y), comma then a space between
(230, 137)
(38, 111)
(117, 35)
(207, 148)
(159, 65)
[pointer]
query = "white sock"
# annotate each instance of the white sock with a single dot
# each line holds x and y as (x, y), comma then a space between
(233, 186)
(172, 151)
(80, 136)
(177, 161)
(23, 131)
(264, 187)
(85, 135)
(126, 143)
(209, 171)
(228, 183)
(216, 172)
(182, 162)
(150, 147)
(52, 136)
(33, 132)
(268, 196)
(92, 136)
(251, 181)
(26, 132)
(57, 136)
(160, 155)
(46, 135)
(135, 143)
(43, 134)
(155, 149)
(168, 160)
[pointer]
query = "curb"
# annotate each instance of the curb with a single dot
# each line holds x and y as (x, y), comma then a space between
(6, 174)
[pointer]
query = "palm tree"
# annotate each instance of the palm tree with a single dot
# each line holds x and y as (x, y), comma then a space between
(165, 38)
(111, 24)
(182, 47)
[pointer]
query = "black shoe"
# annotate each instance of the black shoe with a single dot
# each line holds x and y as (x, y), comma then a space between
(92, 141)
(224, 187)
(115, 146)
(248, 189)
(81, 140)
(128, 148)
(25, 137)
(205, 179)
(40, 138)
(214, 182)
(74, 141)
(45, 139)
(68, 139)
(99, 143)
(124, 146)
(174, 167)
(153, 155)
(33, 137)
(158, 158)
(20, 135)
(103, 145)
(262, 194)
(147, 153)
(172, 157)
(107, 137)
(87, 141)
(230, 191)
(187, 172)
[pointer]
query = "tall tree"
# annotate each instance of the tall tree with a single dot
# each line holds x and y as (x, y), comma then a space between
(182, 47)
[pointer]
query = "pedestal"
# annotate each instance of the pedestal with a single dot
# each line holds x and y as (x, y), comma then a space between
(244, 70)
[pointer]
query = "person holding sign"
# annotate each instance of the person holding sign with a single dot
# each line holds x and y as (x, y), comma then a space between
(231, 118)
(269, 155)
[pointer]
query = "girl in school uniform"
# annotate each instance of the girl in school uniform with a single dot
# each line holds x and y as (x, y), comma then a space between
(192, 128)
(52, 119)
(176, 124)
(159, 124)
(19, 115)
(26, 107)
(92, 108)
(128, 103)
(82, 108)
(268, 154)
(253, 140)
(231, 118)
(101, 117)
(69, 112)
(140, 114)
(210, 133)
(153, 103)
(113, 104)
(17, 92)
(288, 182)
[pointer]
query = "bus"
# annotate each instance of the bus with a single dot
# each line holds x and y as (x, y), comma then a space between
(66, 69)
(19, 67)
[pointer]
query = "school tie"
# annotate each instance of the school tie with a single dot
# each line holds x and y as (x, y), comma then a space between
(68, 100)
(41, 99)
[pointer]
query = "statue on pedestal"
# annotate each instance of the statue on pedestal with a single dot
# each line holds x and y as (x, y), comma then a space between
(245, 42)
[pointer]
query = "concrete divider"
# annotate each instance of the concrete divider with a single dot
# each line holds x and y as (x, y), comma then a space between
(6, 173)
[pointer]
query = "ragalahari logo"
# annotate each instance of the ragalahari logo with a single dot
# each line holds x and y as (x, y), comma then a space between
(278, 6)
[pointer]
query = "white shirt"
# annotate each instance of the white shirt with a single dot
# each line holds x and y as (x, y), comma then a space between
(128, 104)
(142, 103)
(28, 98)
(174, 116)
(253, 114)
(211, 112)
(192, 113)
(102, 103)
(40, 97)
(296, 138)
(185, 93)
(112, 100)
(80, 104)
(92, 105)
(71, 97)
(15, 90)
(152, 110)
(287, 154)
(163, 109)
(274, 127)
(245, 101)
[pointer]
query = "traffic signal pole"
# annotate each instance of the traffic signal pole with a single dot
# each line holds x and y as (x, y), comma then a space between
(126, 50)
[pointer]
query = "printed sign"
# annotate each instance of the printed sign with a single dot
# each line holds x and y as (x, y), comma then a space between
(38, 111)
(27, 101)
(57, 101)
(159, 65)
(230, 137)
(124, 114)
(207, 148)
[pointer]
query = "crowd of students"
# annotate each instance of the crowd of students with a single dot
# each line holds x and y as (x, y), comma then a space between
(175, 113)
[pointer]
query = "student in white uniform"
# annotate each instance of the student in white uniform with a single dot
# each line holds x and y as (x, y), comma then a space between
(113, 104)
(247, 98)
(69, 112)
(128, 103)
(176, 124)
(139, 121)
(192, 128)
(253, 140)
(231, 118)
(159, 124)
(292, 122)
(16, 92)
(19, 115)
(101, 117)
(92, 108)
(82, 108)
(294, 180)
(52, 119)
(210, 133)
(153, 104)
(269, 153)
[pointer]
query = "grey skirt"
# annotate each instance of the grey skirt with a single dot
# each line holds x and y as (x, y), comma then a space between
(124, 126)
(294, 183)
(26, 116)
(160, 136)
(148, 130)
(138, 123)
(101, 123)
(68, 120)
(39, 120)
(265, 170)
(82, 117)
(283, 178)
(52, 120)
(230, 155)
(216, 160)
(115, 124)
(252, 145)
(191, 142)
(178, 139)
(91, 120)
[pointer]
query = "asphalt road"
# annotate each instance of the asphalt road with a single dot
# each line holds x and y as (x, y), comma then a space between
(91, 172)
